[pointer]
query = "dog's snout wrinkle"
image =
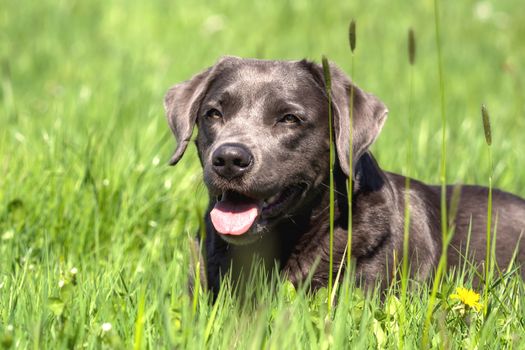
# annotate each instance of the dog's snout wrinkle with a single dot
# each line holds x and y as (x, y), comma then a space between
(231, 160)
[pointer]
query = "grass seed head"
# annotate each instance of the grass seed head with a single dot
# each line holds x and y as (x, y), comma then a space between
(352, 35)
(411, 47)
(486, 124)
(326, 73)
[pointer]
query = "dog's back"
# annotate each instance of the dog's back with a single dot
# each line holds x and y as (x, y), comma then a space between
(507, 223)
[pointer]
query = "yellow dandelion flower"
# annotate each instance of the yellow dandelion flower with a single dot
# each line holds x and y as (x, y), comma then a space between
(467, 297)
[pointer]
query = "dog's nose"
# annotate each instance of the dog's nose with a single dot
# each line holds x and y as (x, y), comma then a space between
(231, 160)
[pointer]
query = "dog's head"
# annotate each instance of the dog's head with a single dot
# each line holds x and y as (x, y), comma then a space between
(263, 136)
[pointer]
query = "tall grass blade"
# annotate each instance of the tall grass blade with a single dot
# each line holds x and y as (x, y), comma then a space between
(337, 277)
(454, 204)
(328, 86)
(139, 322)
(211, 320)
(488, 259)
(406, 229)
(352, 42)
(443, 181)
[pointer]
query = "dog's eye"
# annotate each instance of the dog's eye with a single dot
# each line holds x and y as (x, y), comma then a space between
(213, 114)
(289, 119)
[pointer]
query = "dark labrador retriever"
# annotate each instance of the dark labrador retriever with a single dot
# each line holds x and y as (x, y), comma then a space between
(263, 143)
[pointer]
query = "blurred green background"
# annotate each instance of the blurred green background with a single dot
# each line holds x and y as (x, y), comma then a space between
(84, 180)
(95, 68)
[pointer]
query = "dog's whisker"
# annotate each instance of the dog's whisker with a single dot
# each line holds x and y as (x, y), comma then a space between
(335, 191)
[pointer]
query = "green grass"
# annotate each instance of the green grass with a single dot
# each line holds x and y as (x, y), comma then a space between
(84, 181)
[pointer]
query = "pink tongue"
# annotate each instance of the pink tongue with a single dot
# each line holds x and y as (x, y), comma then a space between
(233, 218)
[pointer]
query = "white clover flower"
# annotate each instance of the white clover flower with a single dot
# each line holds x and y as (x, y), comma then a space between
(483, 11)
(45, 136)
(19, 137)
(106, 327)
(73, 271)
(61, 283)
(85, 93)
(10, 328)
(9, 234)
(213, 24)
(105, 182)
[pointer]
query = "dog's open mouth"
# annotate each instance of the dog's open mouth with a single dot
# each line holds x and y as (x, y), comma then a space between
(235, 213)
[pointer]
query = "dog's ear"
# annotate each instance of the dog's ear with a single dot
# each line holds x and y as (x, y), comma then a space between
(369, 115)
(182, 102)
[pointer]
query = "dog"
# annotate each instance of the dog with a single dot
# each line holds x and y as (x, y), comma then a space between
(264, 146)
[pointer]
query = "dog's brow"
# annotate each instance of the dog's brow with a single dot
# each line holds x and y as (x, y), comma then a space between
(220, 98)
(224, 98)
(287, 106)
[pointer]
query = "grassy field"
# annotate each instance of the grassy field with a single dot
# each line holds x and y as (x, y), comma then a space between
(94, 225)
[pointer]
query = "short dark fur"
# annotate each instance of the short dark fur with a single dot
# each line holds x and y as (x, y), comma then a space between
(251, 95)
